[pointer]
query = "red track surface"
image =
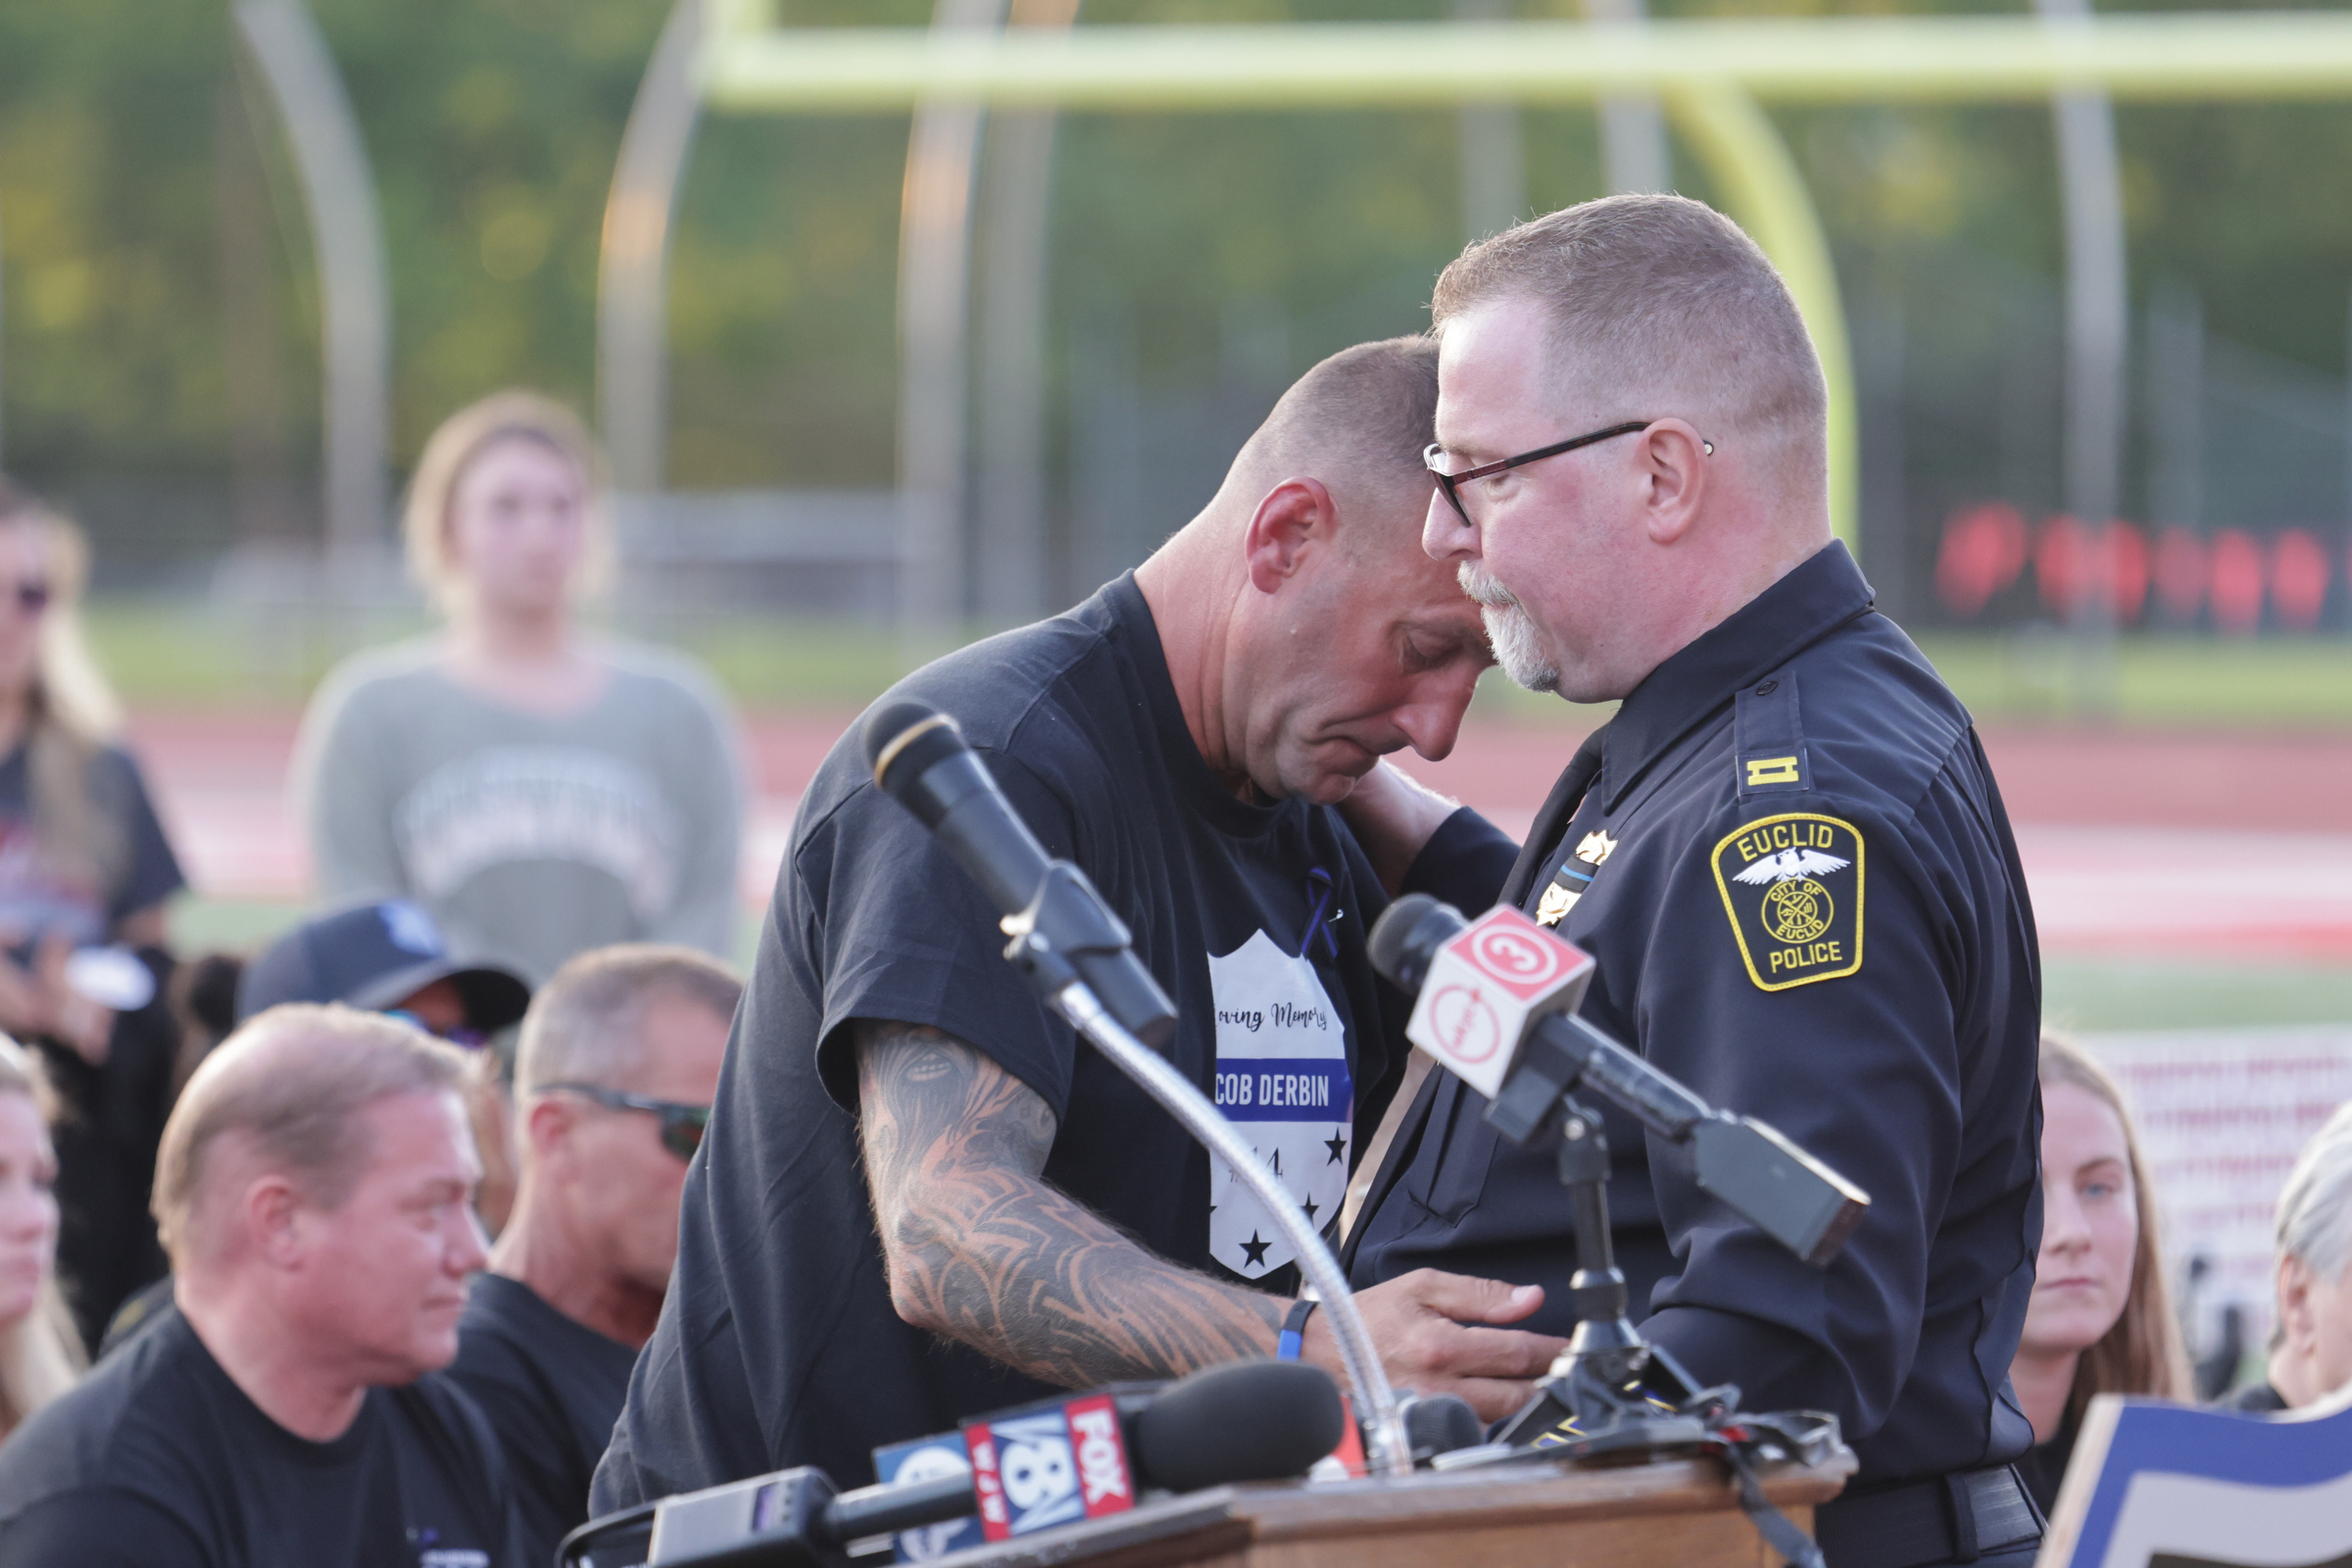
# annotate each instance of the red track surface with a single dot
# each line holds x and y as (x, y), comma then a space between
(2110, 821)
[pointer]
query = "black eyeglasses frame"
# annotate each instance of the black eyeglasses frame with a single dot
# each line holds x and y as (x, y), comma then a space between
(1433, 454)
(682, 1125)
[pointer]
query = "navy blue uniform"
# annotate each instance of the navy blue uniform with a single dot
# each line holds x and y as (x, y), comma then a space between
(1787, 855)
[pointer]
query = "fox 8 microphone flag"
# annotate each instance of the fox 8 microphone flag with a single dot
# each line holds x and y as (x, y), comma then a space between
(1051, 1465)
(1484, 986)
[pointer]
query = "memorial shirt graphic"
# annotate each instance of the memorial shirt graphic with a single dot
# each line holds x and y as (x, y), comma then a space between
(1792, 887)
(1283, 1081)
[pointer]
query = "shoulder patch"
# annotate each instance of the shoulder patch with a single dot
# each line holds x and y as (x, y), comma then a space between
(1792, 887)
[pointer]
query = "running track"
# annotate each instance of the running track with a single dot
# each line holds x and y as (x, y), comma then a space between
(2147, 843)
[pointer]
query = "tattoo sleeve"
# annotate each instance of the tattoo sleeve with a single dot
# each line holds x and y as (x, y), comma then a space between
(982, 1248)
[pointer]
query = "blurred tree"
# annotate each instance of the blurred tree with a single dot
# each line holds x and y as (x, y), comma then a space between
(1203, 259)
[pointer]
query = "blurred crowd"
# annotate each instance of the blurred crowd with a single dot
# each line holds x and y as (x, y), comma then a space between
(412, 1170)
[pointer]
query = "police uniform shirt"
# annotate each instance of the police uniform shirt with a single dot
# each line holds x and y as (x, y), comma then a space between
(777, 1344)
(1795, 874)
(160, 1460)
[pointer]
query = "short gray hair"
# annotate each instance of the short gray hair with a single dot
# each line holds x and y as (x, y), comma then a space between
(585, 1024)
(2315, 1206)
(1659, 305)
(291, 1083)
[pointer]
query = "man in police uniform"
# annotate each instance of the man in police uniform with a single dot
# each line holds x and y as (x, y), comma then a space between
(1787, 852)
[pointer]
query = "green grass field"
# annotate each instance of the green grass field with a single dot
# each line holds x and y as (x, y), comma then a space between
(164, 653)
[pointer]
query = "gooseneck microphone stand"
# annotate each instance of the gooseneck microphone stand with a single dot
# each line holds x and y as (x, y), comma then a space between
(1068, 918)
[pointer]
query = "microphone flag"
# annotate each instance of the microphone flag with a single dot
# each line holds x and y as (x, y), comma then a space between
(1485, 985)
(1051, 1464)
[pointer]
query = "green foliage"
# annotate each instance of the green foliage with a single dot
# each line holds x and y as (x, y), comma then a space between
(493, 125)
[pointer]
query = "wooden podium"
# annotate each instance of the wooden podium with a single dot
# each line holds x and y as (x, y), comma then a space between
(1682, 1513)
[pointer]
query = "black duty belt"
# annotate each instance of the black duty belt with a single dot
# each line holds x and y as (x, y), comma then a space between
(1954, 1518)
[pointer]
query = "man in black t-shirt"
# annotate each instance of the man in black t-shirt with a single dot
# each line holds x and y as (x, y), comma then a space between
(313, 1190)
(1041, 1223)
(618, 1059)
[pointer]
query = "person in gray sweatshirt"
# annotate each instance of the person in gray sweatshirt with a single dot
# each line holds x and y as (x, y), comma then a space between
(541, 791)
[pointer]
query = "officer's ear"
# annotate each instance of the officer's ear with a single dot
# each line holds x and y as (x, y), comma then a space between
(1296, 518)
(1674, 458)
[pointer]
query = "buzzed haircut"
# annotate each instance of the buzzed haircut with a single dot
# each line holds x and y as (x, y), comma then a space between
(1659, 307)
(586, 1025)
(290, 1085)
(1358, 421)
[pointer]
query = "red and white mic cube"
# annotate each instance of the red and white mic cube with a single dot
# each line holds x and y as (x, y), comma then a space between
(1485, 985)
(1051, 1465)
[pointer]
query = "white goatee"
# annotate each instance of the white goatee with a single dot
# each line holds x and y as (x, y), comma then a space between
(1518, 646)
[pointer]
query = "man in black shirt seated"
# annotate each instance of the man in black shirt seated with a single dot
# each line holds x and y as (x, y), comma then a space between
(1020, 1216)
(618, 1059)
(315, 1191)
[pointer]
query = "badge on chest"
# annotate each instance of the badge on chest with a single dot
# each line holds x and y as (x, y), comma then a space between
(1792, 887)
(1283, 1080)
(1574, 877)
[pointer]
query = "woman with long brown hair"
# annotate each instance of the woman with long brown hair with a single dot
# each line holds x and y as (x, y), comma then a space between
(40, 1356)
(85, 874)
(2100, 1320)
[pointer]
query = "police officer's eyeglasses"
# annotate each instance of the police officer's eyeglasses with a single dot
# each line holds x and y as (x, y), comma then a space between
(681, 1125)
(1433, 458)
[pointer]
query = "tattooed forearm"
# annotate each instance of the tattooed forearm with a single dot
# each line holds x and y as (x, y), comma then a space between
(981, 1248)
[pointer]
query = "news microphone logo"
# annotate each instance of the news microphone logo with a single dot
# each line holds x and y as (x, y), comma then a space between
(1048, 1466)
(1483, 986)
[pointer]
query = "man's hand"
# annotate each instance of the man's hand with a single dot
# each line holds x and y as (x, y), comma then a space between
(1393, 815)
(1428, 1326)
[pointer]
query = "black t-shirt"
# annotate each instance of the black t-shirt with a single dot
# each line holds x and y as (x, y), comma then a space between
(106, 1144)
(777, 1344)
(160, 1460)
(38, 896)
(552, 1389)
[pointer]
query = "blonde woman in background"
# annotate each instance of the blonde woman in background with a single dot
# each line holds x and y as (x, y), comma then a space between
(2100, 1319)
(540, 791)
(85, 874)
(40, 1356)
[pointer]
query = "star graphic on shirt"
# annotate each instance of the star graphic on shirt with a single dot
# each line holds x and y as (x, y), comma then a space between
(1339, 1150)
(1310, 1209)
(1256, 1251)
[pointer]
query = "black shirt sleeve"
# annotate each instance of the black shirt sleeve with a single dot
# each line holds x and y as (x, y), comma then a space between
(151, 871)
(905, 934)
(98, 1528)
(1464, 864)
(1864, 1071)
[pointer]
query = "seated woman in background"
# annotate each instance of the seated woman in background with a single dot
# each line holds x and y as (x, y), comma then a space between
(2311, 1345)
(540, 791)
(85, 872)
(2100, 1320)
(40, 1356)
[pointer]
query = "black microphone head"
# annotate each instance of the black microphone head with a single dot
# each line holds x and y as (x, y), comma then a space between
(1439, 1423)
(904, 739)
(1407, 935)
(1242, 1421)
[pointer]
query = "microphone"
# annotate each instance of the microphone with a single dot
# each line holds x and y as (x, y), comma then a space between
(1057, 1461)
(1061, 930)
(1487, 1009)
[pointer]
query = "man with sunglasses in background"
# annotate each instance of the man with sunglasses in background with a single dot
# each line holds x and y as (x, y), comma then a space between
(1632, 451)
(613, 1078)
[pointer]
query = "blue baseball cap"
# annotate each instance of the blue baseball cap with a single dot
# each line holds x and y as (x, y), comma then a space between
(375, 957)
